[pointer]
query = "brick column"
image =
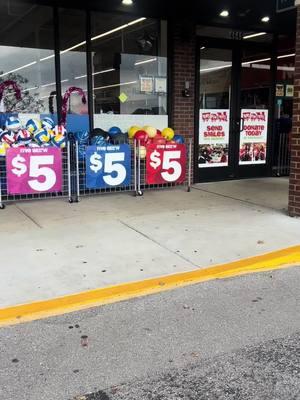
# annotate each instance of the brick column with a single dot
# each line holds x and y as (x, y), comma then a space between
(183, 59)
(294, 187)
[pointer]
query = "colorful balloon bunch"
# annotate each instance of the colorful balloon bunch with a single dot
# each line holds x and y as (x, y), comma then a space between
(149, 134)
(114, 135)
(34, 133)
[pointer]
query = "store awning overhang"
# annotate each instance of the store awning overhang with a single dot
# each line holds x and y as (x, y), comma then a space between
(243, 15)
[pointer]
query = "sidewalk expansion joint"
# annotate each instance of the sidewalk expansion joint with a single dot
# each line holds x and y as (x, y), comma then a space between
(158, 243)
(28, 216)
(226, 196)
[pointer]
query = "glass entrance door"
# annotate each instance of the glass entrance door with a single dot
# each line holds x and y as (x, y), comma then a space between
(254, 100)
(234, 104)
(215, 98)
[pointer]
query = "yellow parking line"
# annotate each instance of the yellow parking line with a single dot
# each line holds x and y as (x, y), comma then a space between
(79, 301)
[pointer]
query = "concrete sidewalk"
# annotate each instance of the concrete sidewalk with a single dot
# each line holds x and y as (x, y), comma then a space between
(51, 248)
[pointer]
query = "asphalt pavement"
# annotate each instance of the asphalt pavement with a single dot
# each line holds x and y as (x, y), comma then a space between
(236, 338)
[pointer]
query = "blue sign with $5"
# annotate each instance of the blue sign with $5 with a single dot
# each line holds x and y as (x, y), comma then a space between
(108, 166)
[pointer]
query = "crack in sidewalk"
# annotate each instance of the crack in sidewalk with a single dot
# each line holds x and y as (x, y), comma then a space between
(226, 196)
(28, 216)
(158, 243)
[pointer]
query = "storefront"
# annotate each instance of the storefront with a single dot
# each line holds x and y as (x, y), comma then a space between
(222, 76)
(245, 89)
(118, 60)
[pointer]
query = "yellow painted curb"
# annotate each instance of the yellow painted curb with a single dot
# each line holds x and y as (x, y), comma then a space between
(66, 304)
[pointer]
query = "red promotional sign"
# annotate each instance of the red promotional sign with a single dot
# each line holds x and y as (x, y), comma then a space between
(166, 163)
(34, 170)
(213, 138)
(253, 138)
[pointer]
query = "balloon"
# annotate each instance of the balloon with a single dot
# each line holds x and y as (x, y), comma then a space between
(142, 137)
(13, 124)
(168, 133)
(8, 137)
(121, 138)
(82, 137)
(178, 139)
(59, 130)
(33, 125)
(98, 141)
(59, 141)
(114, 131)
(133, 130)
(159, 139)
(151, 132)
(99, 132)
(3, 147)
(48, 123)
(42, 136)
(142, 151)
(24, 137)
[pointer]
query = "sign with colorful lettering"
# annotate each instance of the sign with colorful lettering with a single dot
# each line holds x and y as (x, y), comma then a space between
(213, 138)
(108, 166)
(33, 170)
(253, 138)
(165, 163)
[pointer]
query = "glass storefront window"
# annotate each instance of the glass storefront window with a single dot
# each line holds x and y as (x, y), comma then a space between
(285, 77)
(255, 79)
(129, 71)
(215, 93)
(27, 56)
(72, 28)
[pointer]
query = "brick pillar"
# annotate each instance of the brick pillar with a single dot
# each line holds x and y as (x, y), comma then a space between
(183, 59)
(294, 187)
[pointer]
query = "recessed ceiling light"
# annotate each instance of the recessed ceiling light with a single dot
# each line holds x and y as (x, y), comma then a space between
(127, 2)
(265, 19)
(202, 48)
(224, 13)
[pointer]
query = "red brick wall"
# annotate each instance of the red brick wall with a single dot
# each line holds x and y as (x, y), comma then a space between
(183, 58)
(294, 189)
